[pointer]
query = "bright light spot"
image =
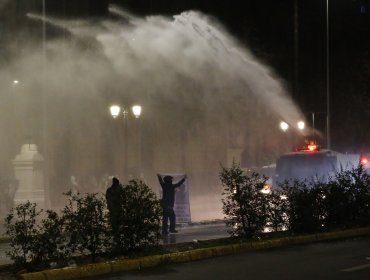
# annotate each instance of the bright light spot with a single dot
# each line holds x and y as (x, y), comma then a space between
(312, 147)
(284, 126)
(301, 125)
(364, 160)
(136, 109)
(266, 189)
(267, 229)
(16, 82)
(115, 110)
(283, 197)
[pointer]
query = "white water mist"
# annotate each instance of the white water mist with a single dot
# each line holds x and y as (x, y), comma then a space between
(202, 93)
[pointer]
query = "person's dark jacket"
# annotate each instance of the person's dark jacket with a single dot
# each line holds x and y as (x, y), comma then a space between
(113, 195)
(168, 190)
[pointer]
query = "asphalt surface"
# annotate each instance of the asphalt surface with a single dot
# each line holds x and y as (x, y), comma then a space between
(339, 260)
(197, 233)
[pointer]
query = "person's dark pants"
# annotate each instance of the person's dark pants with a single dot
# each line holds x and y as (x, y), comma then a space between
(168, 214)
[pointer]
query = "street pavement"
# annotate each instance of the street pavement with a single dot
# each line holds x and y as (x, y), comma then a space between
(197, 232)
(336, 260)
(186, 233)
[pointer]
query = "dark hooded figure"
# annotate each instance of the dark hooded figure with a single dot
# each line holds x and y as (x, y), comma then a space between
(168, 201)
(112, 196)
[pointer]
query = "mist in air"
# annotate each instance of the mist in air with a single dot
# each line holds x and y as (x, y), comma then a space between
(205, 99)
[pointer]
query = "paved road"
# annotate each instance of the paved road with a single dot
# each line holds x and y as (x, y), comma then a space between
(341, 260)
(197, 232)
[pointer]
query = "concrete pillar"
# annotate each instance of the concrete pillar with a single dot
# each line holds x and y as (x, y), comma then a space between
(28, 171)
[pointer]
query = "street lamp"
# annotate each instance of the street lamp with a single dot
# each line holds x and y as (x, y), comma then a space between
(328, 144)
(284, 126)
(301, 125)
(116, 111)
(136, 110)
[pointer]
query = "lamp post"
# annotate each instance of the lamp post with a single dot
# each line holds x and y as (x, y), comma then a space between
(136, 110)
(328, 144)
(116, 111)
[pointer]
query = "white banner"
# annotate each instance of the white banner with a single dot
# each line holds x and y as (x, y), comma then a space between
(182, 204)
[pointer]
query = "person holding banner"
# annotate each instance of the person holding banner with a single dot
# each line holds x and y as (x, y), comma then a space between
(168, 202)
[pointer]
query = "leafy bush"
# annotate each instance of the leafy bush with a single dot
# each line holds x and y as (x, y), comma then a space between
(353, 186)
(341, 202)
(277, 208)
(140, 214)
(86, 224)
(22, 229)
(244, 206)
(35, 244)
(300, 206)
(304, 211)
(83, 230)
(50, 242)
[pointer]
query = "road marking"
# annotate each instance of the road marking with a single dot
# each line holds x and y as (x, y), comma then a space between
(359, 267)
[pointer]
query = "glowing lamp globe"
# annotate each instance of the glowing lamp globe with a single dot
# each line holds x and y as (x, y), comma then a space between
(115, 110)
(136, 110)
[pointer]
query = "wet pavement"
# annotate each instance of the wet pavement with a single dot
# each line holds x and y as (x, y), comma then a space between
(191, 233)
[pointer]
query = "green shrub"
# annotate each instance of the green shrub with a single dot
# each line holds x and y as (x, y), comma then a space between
(22, 229)
(305, 206)
(354, 189)
(244, 206)
(50, 242)
(277, 208)
(86, 224)
(140, 215)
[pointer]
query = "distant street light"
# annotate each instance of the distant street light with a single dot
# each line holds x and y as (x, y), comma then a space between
(284, 126)
(300, 125)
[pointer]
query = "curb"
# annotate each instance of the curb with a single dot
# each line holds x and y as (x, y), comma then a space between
(122, 265)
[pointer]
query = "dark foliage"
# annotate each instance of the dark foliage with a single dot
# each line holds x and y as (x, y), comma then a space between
(244, 206)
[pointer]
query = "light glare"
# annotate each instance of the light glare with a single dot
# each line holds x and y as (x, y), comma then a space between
(136, 110)
(301, 125)
(115, 110)
(284, 126)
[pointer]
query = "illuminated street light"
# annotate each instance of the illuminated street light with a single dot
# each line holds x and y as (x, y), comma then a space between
(136, 110)
(284, 126)
(301, 125)
(114, 111)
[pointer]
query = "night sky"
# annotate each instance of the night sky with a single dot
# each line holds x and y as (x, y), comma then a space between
(297, 52)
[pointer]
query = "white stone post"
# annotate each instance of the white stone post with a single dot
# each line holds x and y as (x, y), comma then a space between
(28, 170)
